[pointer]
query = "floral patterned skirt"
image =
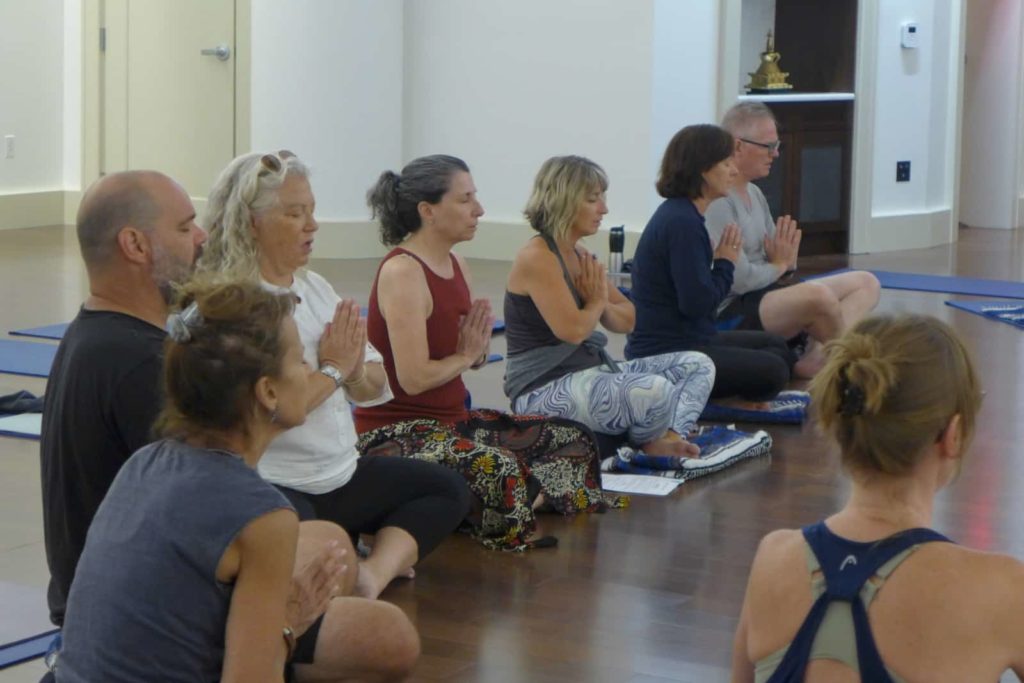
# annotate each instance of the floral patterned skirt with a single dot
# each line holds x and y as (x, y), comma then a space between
(508, 460)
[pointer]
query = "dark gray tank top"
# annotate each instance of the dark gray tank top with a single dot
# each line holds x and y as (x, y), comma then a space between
(145, 603)
(535, 355)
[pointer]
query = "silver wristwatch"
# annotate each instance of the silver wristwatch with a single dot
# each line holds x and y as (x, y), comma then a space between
(334, 373)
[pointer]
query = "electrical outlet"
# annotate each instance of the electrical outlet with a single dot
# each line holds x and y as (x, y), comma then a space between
(902, 171)
(8, 147)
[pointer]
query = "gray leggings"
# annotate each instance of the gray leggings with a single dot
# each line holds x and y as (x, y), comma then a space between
(647, 397)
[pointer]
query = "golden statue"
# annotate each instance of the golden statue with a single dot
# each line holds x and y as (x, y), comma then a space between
(768, 78)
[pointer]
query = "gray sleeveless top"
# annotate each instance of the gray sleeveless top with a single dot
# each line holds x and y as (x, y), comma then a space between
(145, 603)
(535, 355)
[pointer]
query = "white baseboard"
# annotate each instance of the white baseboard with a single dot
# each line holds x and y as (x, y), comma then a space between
(348, 240)
(340, 239)
(494, 241)
(894, 232)
(72, 198)
(31, 209)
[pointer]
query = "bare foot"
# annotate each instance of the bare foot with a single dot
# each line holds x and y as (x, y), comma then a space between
(367, 584)
(671, 444)
(811, 362)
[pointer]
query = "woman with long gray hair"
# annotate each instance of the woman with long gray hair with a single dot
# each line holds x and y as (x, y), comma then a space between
(430, 330)
(261, 225)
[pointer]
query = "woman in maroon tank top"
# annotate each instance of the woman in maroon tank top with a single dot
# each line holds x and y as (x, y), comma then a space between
(424, 322)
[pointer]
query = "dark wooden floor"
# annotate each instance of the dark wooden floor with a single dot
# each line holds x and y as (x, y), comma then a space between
(651, 594)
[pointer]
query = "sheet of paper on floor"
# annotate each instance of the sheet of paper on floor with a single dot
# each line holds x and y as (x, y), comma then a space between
(640, 484)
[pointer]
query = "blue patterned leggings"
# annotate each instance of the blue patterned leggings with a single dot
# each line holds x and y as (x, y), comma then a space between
(645, 399)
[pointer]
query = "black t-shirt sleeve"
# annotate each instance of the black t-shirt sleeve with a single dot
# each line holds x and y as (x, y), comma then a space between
(137, 402)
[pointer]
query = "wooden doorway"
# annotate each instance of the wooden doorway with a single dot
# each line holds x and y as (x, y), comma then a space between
(171, 86)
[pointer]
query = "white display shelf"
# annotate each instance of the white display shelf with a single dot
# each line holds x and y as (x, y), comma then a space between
(799, 97)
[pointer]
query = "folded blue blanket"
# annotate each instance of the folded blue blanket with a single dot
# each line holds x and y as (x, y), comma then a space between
(720, 447)
(789, 407)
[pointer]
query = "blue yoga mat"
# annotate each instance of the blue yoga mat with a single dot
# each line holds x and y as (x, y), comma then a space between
(26, 358)
(1009, 312)
(26, 649)
(947, 284)
(789, 407)
(55, 331)
(21, 426)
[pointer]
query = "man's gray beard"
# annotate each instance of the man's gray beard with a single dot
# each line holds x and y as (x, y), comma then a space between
(169, 275)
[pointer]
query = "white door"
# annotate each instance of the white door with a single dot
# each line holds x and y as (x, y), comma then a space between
(169, 88)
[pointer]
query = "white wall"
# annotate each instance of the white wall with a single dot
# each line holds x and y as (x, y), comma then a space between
(31, 109)
(507, 85)
(904, 105)
(327, 84)
(71, 141)
(684, 74)
(991, 143)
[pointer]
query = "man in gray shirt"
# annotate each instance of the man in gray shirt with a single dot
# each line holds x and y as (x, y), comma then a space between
(765, 295)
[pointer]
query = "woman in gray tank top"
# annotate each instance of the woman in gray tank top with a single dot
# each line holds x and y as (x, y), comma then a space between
(556, 296)
(187, 569)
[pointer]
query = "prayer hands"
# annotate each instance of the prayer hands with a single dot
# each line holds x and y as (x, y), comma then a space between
(783, 248)
(730, 244)
(343, 343)
(475, 331)
(591, 283)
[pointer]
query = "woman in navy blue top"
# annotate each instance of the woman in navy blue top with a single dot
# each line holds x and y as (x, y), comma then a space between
(871, 593)
(679, 281)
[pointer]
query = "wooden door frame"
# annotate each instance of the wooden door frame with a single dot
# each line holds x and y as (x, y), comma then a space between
(93, 19)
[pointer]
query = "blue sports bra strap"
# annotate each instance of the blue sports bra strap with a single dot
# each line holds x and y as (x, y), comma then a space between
(794, 662)
(868, 660)
(847, 565)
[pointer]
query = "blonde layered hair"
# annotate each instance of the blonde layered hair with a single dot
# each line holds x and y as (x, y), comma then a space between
(247, 187)
(561, 185)
(889, 389)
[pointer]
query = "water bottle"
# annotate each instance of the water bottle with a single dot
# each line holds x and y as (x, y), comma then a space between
(616, 244)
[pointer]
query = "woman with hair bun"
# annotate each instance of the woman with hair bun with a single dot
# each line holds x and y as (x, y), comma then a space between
(187, 572)
(871, 593)
(429, 330)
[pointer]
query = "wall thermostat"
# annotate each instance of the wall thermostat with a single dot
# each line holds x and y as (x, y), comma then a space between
(910, 35)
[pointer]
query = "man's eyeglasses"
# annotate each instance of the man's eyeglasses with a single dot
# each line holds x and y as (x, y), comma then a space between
(770, 146)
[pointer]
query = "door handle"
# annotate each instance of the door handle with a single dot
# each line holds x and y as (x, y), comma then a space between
(221, 52)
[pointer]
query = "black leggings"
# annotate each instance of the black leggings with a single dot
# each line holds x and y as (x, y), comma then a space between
(426, 500)
(754, 366)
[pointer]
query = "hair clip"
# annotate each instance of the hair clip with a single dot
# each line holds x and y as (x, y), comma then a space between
(852, 400)
(179, 324)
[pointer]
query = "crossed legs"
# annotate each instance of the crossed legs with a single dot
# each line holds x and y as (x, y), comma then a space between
(824, 308)
(655, 400)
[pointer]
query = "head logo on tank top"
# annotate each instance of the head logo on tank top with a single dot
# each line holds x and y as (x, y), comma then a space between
(850, 559)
